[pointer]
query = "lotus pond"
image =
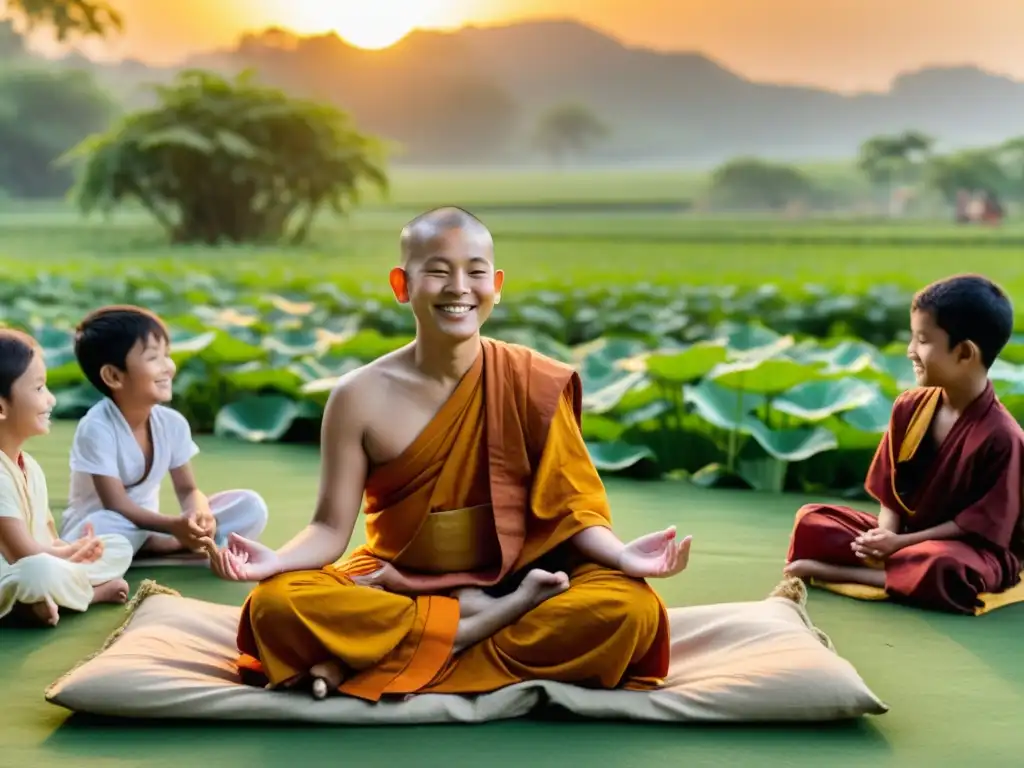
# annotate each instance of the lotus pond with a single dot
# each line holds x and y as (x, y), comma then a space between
(748, 388)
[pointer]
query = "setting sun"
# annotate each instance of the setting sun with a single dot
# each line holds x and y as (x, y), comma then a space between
(373, 24)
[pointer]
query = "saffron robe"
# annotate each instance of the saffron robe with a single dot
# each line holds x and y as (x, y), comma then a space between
(974, 478)
(32, 579)
(497, 483)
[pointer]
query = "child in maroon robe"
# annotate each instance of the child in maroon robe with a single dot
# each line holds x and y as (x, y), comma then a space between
(948, 474)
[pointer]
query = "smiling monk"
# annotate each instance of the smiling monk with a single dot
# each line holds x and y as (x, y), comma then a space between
(489, 556)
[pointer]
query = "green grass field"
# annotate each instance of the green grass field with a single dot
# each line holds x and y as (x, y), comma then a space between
(539, 244)
(955, 685)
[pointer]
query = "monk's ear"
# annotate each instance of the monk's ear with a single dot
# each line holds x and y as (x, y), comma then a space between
(3, 409)
(399, 284)
(499, 281)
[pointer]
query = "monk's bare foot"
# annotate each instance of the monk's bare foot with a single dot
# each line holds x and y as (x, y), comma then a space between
(113, 591)
(327, 677)
(806, 569)
(473, 601)
(494, 614)
(45, 612)
(539, 586)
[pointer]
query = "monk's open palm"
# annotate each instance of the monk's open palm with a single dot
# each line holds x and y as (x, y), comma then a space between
(242, 559)
(656, 555)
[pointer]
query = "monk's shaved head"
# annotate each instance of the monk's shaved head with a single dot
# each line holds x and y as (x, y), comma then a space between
(426, 231)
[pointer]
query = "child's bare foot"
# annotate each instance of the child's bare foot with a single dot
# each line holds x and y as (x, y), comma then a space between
(159, 544)
(327, 677)
(806, 569)
(45, 612)
(113, 591)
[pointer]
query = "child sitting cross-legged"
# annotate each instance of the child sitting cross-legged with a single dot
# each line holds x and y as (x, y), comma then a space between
(127, 443)
(39, 573)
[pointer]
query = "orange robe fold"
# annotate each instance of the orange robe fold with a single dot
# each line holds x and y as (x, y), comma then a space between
(973, 478)
(498, 482)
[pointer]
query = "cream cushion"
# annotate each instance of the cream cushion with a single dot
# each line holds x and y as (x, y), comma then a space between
(736, 662)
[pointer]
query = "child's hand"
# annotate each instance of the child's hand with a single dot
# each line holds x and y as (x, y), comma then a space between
(878, 543)
(187, 531)
(204, 516)
(86, 549)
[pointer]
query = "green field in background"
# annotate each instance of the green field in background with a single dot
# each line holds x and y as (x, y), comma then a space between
(539, 243)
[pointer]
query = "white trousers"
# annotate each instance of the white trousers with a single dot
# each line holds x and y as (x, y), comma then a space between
(32, 579)
(241, 512)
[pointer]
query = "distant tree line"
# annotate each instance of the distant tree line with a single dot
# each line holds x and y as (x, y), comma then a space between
(218, 159)
(901, 169)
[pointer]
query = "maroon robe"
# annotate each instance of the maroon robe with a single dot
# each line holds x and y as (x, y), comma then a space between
(973, 478)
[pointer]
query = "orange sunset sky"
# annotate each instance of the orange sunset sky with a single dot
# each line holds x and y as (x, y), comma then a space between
(840, 44)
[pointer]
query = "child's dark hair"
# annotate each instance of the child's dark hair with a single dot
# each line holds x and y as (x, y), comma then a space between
(969, 308)
(106, 336)
(17, 350)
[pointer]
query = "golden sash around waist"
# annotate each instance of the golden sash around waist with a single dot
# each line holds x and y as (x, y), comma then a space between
(453, 541)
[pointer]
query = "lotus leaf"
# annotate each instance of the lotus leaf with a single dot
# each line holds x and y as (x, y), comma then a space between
(618, 456)
(611, 394)
(871, 417)
(228, 349)
(541, 342)
(688, 365)
(719, 476)
(261, 418)
(1002, 371)
(724, 408)
(640, 396)
(369, 345)
(654, 410)
(747, 338)
(295, 343)
(772, 376)
(73, 403)
(1014, 350)
(817, 400)
(792, 445)
(254, 377)
(602, 429)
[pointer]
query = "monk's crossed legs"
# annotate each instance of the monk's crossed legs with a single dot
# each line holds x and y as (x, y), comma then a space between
(598, 632)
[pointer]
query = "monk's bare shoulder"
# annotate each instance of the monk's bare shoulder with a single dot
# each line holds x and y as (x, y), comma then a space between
(360, 394)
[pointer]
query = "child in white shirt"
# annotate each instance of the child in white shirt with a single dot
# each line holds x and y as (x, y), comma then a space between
(39, 573)
(129, 441)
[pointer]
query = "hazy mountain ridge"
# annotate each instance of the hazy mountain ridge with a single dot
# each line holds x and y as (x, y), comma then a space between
(477, 94)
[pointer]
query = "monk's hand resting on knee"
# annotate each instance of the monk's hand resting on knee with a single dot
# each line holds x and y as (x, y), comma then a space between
(656, 555)
(386, 577)
(242, 559)
(879, 543)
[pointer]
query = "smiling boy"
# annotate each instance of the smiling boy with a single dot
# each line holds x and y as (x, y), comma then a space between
(128, 442)
(949, 535)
